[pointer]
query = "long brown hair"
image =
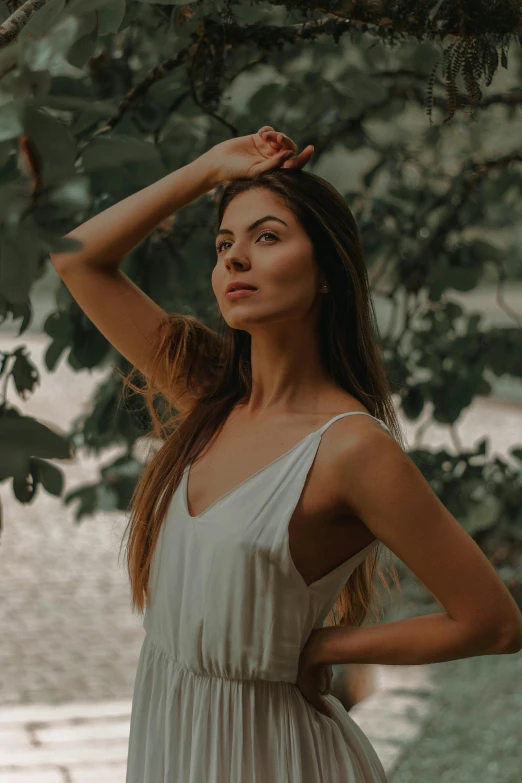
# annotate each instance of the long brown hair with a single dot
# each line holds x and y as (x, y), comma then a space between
(216, 367)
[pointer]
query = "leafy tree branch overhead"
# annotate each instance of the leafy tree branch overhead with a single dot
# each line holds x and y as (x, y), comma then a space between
(479, 29)
(413, 109)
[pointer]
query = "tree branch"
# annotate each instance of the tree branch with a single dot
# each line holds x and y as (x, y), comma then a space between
(12, 26)
(263, 37)
(471, 176)
(267, 38)
(151, 77)
(455, 21)
(409, 18)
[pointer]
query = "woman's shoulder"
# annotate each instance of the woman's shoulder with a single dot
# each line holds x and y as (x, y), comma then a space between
(356, 433)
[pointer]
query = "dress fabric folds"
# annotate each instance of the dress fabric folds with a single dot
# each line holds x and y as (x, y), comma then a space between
(215, 696)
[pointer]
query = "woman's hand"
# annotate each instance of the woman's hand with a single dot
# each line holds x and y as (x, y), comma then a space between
(314, 679)
(246, 156)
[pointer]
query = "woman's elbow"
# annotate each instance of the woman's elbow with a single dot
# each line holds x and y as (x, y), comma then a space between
(510, 641)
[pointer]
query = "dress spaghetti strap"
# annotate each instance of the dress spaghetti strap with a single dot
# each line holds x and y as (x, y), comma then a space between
(352, 413)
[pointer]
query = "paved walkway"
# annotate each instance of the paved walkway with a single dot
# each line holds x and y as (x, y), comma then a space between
(86, 742)
(70, 642)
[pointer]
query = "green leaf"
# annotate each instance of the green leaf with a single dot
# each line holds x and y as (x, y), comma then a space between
(483, 513)
(413, 402)
(19, 263)
(49, 475)
(87, 497)
(81, 7)
(59, 327)
(73, 103)
(24, 488)
(11, 122)
(53, 354)
(6, 150)
(23, 311)
(48, 52)
(110, 17)
(434, 10)
(53, 143)
(462, 279)
(117, 151)
(24, 373)
(17, 463)
(73, 194)
(83, 49)
(88, 352)
(107, 498)
(23, 435)
(481, 446)
(55, 243)
(170, 2)
(43, 20)
(56, 206)
(9, 54)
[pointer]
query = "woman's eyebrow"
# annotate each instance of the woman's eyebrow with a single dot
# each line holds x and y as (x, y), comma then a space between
(254, 224)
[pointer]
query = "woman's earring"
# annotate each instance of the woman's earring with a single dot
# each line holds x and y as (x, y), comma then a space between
(324, 288)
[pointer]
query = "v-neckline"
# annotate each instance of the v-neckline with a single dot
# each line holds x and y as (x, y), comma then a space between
(238, 486)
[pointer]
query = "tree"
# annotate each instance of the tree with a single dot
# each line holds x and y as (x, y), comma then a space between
(103, 97)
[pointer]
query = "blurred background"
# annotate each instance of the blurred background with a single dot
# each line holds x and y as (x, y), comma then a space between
(97, 100)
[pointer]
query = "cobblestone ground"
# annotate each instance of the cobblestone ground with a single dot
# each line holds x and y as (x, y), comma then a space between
(66, 624)
(67, 629)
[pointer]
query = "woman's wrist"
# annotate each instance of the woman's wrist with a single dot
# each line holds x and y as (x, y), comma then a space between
(324, 645)
(209, 160)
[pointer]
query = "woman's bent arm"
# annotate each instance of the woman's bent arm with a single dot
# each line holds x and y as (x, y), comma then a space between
(122, 312)
(384, 488)
(430, 638)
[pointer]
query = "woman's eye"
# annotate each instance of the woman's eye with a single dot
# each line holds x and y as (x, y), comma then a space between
(269, 234)
(264, 233)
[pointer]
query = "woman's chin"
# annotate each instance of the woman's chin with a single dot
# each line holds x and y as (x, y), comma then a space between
(244, 319)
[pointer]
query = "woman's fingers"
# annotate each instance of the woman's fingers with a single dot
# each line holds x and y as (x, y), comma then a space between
(279, 139)
(270, 138)
(286, 141)
(263, 133)
(320, 704)
(300, 160)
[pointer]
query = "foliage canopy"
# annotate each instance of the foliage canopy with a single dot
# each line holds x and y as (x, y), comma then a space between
(102, 97)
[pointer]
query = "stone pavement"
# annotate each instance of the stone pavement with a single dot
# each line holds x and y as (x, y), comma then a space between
(86, 742)
(65, 618)
(70, 642)
(77, 742)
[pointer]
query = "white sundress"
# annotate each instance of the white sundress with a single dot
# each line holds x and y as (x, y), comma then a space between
(215, 696)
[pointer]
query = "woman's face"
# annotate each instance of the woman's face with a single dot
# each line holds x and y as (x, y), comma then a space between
(276, 256)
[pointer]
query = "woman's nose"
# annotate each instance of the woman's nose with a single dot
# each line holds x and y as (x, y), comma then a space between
(234, 261)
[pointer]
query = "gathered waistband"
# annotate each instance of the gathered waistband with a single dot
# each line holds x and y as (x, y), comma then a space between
(181, 665)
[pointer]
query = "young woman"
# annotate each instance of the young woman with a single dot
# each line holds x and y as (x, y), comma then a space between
(279, 474)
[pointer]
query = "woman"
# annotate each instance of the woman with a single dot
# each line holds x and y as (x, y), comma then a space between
(281, 472)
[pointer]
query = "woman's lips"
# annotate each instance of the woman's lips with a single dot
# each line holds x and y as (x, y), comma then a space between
(240, 292)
